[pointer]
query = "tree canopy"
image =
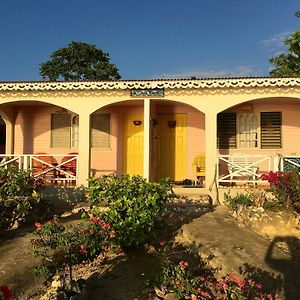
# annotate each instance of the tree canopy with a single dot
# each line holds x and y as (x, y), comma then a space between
(79, 61)
(288, 64)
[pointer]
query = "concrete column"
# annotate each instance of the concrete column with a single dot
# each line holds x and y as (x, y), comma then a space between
(210, 148)
(147, 138)
(84, 149)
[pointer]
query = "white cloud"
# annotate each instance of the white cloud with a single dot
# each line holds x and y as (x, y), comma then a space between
(242, 71)
(275, 44)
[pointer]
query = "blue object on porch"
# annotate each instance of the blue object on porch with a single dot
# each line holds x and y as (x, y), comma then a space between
(289, 167)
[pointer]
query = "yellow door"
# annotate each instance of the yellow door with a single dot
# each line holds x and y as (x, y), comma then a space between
(172, 146)
(133, 145)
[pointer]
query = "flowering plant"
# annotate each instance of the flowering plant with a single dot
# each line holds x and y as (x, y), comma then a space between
(286, 187)
(62, 247)
(177, 279)
(232, 288)
(5, 293)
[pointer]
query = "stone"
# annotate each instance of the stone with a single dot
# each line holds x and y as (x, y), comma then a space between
(56, 284)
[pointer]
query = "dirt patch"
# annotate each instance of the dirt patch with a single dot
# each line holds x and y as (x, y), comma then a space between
(186, 223)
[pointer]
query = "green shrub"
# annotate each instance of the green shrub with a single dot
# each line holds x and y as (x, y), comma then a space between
(132, 205)
(19, 194)
(234, 202)
(257, 198)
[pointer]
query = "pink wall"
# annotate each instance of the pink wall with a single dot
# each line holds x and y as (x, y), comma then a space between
(33, 133)
(290, 129)
(290, 125)
(33, 130)
(110, 161)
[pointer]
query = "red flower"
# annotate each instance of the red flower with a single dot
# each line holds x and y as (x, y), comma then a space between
(92, 231)
(5, 292)
(82, 231)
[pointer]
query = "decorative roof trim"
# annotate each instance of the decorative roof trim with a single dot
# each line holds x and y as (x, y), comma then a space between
(151, 84)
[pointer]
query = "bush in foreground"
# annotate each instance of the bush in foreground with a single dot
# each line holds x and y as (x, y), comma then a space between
(131, 205)
(19, 194)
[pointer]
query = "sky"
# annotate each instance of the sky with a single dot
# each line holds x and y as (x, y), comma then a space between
(154, 39)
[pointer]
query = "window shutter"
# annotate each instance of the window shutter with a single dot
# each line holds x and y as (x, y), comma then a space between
(226, 130)
(100, 131)
(270, 124)
(60, 131)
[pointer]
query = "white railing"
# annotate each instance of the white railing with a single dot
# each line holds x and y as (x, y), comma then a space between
(51, 168)
(244, 169)
(290, 162)
(247, 169)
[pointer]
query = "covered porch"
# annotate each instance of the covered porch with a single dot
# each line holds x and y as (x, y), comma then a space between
(210, 131)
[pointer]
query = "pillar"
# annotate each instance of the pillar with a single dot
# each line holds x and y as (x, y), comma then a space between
(210, 148)
(84, 149)
(147, 138)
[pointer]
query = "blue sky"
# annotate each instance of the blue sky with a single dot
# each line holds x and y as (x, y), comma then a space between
(149, 39)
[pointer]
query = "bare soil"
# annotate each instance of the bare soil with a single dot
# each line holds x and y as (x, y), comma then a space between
(126, 276)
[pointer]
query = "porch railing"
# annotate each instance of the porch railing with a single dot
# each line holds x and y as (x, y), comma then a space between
(51, 168)
(245, 169)
(290, 163)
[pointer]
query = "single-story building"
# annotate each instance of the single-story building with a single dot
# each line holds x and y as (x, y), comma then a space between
(205, 130)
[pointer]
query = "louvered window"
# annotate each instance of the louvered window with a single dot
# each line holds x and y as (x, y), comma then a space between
(226, 130)
(270, 124)
(247, 130)
(100, 131)
(60, 130)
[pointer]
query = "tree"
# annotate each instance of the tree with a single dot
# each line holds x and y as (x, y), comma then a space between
(79, 61)
(288, 64)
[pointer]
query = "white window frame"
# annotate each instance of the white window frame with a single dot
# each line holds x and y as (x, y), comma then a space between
(250, 134)
(74, 130)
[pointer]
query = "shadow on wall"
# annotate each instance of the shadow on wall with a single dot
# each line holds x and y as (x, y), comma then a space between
(64, 198)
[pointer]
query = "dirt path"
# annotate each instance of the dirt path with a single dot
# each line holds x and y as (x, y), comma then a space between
(214, 233)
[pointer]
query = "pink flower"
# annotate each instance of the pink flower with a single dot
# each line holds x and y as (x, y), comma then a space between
(232, 277)
(38, 225)
(204, 294)
(241, 283)
(82, 231)
(82, 249)
(251, 282)
(183, 264)
(162, 243)
(92, 231)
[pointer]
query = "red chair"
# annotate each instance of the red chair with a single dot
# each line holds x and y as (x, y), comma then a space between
(69, 166)
(43, 166)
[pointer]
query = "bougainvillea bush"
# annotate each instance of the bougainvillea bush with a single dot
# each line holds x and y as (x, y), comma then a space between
(132, 205)
(186, 285)
(19, 194)
(60, 247)
(286, 188)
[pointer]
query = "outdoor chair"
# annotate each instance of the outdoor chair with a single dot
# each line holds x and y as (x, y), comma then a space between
(68, 166)
(199, 168)
(43, 166)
